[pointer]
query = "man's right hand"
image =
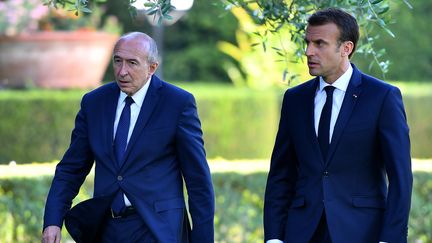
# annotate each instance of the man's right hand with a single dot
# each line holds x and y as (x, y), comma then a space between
(51, 234)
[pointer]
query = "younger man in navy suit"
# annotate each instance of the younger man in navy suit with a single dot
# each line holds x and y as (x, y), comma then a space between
(341, 168)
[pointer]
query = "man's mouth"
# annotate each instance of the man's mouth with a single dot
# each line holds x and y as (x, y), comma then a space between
(312, 64)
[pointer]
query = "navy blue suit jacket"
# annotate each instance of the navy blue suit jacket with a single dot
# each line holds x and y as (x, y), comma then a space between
(165, 147)
(364, 186)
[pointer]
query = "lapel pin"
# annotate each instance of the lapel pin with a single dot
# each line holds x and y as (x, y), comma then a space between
(355, 96)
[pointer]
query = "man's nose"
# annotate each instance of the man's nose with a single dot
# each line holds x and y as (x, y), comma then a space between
(309, 50)
(123, 70)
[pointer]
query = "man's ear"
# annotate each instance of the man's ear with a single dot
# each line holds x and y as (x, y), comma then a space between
(152, 67)
(347, 48)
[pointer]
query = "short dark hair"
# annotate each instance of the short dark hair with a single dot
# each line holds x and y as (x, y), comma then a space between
(346, 23)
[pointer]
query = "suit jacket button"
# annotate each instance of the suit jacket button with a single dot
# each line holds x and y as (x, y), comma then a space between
(325, 173)
(119, 178)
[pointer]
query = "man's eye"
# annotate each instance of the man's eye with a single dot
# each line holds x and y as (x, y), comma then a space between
(320, 43)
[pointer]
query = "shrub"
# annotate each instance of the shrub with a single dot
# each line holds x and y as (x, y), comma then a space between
(36, 125)
(238, 123)
(239, 204)
(419, 121)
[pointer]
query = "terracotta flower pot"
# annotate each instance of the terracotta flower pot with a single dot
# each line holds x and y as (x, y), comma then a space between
(57, 60)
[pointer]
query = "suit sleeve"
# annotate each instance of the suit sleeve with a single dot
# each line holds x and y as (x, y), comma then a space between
(395, 150)
(281, 179)
(70, 173)
(196, 173)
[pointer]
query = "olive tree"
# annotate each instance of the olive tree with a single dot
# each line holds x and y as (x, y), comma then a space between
(274, 15)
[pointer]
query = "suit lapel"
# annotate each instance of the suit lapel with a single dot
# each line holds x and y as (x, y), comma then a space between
(108, 124)
(351, 96)
(310, 117)
(147, 108)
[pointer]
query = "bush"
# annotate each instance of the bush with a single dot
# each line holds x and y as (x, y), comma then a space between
(36, 125)
(238, 123)
(239, 204)
(420, 225)
(419, 120)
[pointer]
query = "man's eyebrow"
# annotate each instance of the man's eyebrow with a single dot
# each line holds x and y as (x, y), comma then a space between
(131, 59)
(315, 41)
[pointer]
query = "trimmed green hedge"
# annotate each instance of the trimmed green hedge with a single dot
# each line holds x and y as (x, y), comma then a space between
(238, 123)
(36, 125)
(239, 203)
(420, 122)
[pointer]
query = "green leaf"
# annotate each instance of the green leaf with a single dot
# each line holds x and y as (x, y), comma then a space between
(85, 10)
(149, 5)
(389, 32)
(376, 1)
(151, 11)
(168, 17)
(281, 53)
(133, 12)
(408, 4)
(381, 22)
(383, 10)
(166, 8)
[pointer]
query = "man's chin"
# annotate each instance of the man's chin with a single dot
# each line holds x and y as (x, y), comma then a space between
(314, 72)
(126, 90)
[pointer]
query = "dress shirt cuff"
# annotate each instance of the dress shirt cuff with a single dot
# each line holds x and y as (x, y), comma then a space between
(274, 241)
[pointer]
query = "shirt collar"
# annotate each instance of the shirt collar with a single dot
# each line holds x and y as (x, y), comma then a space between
(341, 83)
(139, 96)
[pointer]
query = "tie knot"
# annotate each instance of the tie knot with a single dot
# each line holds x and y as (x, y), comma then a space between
(129, 100)
(329, 90)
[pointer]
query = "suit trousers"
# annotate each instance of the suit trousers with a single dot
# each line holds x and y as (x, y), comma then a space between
(130, 229)
(321, 234)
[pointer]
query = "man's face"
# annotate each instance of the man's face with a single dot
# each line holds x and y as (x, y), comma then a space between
(131, 67)
(326, 56)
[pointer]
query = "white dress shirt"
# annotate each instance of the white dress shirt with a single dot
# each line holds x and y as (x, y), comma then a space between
(340, 85)
(138, 99)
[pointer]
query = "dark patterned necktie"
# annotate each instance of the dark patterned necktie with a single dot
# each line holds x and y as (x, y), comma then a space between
(324, 122)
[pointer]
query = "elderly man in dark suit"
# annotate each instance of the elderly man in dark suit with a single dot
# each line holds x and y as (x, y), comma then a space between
(341, 167)
(145, 139)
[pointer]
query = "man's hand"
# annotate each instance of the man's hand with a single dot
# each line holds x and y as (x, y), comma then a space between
(51, 234)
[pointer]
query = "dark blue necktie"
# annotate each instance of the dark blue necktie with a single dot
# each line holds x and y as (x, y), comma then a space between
(120, 141)
(324, 122)
(120, 144)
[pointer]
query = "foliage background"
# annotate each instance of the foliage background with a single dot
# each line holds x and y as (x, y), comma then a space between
(190, 44)
(238, 123)
(239, 203)
(194, 56)
(410, 53)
